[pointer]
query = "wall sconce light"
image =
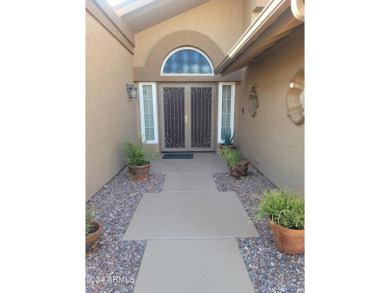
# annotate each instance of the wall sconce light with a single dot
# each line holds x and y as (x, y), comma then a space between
(253, 91)
(253, 102)
(132, 90)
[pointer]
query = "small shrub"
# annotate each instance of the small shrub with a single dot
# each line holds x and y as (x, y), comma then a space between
(231, 156)
(284, 208)
(135, 153)
(89, 228)
(227, 136)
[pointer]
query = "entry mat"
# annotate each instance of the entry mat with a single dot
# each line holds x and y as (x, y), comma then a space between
(178, 156)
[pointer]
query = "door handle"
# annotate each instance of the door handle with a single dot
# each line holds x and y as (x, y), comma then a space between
(186, 118)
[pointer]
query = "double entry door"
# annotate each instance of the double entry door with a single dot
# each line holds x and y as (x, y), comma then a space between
(187, 118)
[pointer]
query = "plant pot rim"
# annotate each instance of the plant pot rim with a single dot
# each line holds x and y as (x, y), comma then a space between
(288, 241)
(100, 226)
(243, 161)
(142, 166)
(231, 146)
(91, 241)
(287, 230)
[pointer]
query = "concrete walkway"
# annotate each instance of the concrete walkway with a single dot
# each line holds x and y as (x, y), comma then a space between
(190, 230)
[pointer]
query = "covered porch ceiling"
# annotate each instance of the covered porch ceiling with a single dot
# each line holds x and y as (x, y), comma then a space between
(142, 14)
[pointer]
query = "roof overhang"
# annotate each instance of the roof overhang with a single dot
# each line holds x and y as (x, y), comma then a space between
(104, 14)
(143, 14)
(275, 22)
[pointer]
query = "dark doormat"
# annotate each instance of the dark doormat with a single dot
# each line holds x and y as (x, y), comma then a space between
(178, 156)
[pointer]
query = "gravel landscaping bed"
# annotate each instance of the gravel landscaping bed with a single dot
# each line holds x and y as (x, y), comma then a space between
(115, 265)
(269, 269)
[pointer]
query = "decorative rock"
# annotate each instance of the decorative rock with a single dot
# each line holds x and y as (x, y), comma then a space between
(260, 253)
(115, 265)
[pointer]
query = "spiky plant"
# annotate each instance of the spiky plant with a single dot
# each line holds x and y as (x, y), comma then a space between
(227, 136)
(284, 208)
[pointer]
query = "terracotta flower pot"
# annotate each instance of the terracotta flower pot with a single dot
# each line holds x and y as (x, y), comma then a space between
(222, 146)
(289, 241)
(138, 173)
(91, 241)
(241, 169)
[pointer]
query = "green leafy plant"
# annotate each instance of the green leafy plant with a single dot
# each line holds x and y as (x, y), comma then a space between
(284, 208)
(231, 156)
(135, 153)
(89, 228)
(227, 136)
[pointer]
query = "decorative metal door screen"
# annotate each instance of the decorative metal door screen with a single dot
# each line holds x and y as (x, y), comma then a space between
(174, 117)
(201, 117)
(188, 117)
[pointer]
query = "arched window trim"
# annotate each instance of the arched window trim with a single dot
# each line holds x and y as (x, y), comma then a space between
(186, 74)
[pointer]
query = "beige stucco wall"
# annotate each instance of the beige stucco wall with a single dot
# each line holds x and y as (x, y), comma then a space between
(271, 136)
(250, 6)
(220, 20)
(110, 114)
(195, 39)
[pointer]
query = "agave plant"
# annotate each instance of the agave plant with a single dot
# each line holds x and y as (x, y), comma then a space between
(227, 136)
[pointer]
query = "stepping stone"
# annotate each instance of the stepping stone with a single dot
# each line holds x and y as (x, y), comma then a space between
(189, 182)
(193, 266)
(189, 215)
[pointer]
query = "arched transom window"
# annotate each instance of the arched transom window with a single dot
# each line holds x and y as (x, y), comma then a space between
(187, 61)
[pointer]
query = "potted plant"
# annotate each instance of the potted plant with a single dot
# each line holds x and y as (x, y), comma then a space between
(137, 162)
(237, 164)
(286, 214)
(93, 229)
(227, 137)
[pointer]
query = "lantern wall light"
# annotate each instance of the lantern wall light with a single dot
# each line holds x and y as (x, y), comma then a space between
(132, 90)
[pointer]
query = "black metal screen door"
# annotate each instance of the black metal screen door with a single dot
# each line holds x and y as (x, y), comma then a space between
(188, 117)
(201, 128)
(174, 118)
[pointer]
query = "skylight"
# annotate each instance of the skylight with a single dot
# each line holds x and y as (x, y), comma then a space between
(115, 2)
(122, 7)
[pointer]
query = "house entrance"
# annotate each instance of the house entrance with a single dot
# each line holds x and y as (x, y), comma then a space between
(187, 120)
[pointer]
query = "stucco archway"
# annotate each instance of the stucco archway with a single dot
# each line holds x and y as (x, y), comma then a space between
(151, 72)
